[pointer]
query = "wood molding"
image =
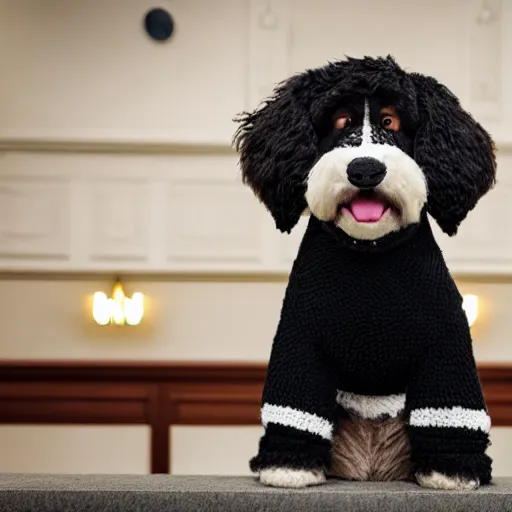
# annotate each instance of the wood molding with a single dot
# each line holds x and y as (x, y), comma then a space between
(164, 394)
(151, 145)
(211, 372)
(496, 382)
(501, 276)
(152, 393)
(140, 145)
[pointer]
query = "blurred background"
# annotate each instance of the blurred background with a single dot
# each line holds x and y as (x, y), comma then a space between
(116, 167)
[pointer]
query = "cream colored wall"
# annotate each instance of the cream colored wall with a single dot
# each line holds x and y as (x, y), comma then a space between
(74, 449)
(186, 320)
(194, 450)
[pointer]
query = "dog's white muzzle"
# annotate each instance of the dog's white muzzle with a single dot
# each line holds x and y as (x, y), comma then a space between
(404, 187)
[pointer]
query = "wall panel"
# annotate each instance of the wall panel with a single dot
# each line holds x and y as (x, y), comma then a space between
(89, 72)
(75, 449)
(114, 150)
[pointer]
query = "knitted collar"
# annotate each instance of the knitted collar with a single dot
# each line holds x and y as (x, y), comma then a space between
(384, 243)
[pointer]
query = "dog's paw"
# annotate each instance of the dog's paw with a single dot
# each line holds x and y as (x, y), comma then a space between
(292, 478)
(436, 480)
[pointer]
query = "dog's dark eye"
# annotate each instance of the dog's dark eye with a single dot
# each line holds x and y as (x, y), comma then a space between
(390, 122)
(342, 121)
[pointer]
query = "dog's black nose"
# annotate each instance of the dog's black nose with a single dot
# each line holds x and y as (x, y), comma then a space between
(365, 172)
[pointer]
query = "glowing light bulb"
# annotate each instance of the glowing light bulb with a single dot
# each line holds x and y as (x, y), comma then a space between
(134, 309)
(119, 309)
(117, 312)
(118, 293)
(470, 306)
(101, 308)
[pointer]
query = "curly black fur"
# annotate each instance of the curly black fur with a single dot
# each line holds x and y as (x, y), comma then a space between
(277, 146)
(280, 141)
(456, 154)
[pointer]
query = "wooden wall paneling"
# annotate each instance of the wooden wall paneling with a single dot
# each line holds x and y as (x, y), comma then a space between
(73, 401)
(164, 394)
(218, 403)
(160, 420)
(497, 386)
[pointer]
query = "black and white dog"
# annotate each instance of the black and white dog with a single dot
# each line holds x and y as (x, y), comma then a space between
(372, 333)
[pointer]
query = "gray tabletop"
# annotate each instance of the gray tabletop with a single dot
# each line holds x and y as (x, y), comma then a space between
(151, 493)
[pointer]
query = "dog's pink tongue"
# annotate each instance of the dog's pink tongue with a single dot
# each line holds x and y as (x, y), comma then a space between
(367, 209)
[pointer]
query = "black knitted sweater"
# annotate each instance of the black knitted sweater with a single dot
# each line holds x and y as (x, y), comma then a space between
(373, 318)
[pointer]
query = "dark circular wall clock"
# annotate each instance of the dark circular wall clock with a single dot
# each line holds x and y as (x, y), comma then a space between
(159, 24)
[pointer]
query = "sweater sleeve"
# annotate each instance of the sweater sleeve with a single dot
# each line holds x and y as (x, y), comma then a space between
(448, 419)
(299, 394)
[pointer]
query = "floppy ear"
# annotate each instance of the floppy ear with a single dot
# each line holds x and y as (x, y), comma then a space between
(456, 154)
(277, 145)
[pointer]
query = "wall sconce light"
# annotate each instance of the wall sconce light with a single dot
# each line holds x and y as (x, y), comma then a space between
(118, 309)
(470, 306)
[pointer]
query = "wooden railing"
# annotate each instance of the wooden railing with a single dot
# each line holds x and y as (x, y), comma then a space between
(164, 394)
